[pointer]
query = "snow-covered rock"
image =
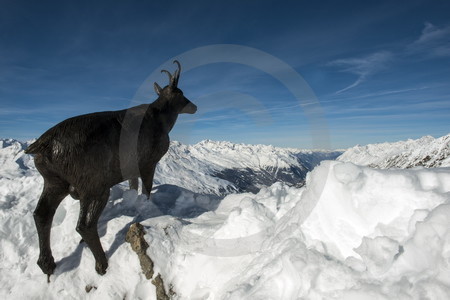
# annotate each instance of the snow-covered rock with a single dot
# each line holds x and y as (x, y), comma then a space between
(426, 151)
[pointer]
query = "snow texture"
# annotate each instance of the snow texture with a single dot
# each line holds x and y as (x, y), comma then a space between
(352, 232)
(426, 151)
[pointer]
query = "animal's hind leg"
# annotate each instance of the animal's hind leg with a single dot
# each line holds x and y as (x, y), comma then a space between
(91, 207)
(52, 195)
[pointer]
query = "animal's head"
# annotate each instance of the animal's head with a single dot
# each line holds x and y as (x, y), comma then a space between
(173, 95)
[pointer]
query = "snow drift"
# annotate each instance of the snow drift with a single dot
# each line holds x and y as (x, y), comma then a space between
(351, 232)
(426, 151)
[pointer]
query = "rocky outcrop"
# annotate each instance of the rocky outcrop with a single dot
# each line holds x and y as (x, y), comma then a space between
(135, 236)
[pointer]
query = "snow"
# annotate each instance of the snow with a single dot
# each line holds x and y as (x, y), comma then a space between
(12, 159)
(426, 151)
(358, 202)
(352, 232)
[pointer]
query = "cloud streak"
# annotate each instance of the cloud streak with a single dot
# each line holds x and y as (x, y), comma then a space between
(362, 66)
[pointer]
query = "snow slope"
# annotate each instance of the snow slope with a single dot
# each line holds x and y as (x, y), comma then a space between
(351, 232)
(426, 151)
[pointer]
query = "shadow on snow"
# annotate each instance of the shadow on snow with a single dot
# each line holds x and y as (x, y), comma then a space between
(165, 199)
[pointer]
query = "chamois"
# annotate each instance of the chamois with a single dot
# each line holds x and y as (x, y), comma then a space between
(84, 156)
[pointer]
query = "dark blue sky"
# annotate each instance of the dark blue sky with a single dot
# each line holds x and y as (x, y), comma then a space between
(380, 70)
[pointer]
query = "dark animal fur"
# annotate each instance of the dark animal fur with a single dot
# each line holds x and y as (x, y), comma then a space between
(81, 156)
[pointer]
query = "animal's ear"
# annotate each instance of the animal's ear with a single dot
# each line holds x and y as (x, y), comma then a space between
(158, 89)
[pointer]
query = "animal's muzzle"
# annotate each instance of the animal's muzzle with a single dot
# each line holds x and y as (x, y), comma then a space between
(190, 108)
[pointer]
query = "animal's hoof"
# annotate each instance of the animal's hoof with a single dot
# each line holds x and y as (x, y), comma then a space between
(101, 268)
(47, 264)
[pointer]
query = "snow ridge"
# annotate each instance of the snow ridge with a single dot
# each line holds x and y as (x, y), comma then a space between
(427, 151)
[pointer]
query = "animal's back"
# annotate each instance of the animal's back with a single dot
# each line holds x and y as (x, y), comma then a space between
(75, 134)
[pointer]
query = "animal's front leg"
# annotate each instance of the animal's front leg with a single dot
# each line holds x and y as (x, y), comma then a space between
(134, 183)
(147, 180)
(91, 207)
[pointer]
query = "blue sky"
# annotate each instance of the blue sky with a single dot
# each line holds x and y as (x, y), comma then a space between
(379, 70)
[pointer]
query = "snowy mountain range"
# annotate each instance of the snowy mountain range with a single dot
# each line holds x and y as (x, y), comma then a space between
(427, 151)
(208, 167)
(222, 167)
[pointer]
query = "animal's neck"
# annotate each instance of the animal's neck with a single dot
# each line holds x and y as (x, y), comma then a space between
(168, 120)
(166, 115)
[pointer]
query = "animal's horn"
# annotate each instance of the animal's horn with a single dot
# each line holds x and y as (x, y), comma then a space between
(177, 72)
(171, 78)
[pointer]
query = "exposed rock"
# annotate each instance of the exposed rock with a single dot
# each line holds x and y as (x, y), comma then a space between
(89, 288)
(135, 236)
(160, 291)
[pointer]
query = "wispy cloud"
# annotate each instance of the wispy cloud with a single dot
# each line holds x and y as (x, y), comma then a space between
(392, 92)
(382, 93)
(433, 42)
(424, 106)
(363, 66)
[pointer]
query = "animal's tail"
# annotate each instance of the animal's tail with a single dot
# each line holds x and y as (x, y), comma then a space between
(39, 146)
